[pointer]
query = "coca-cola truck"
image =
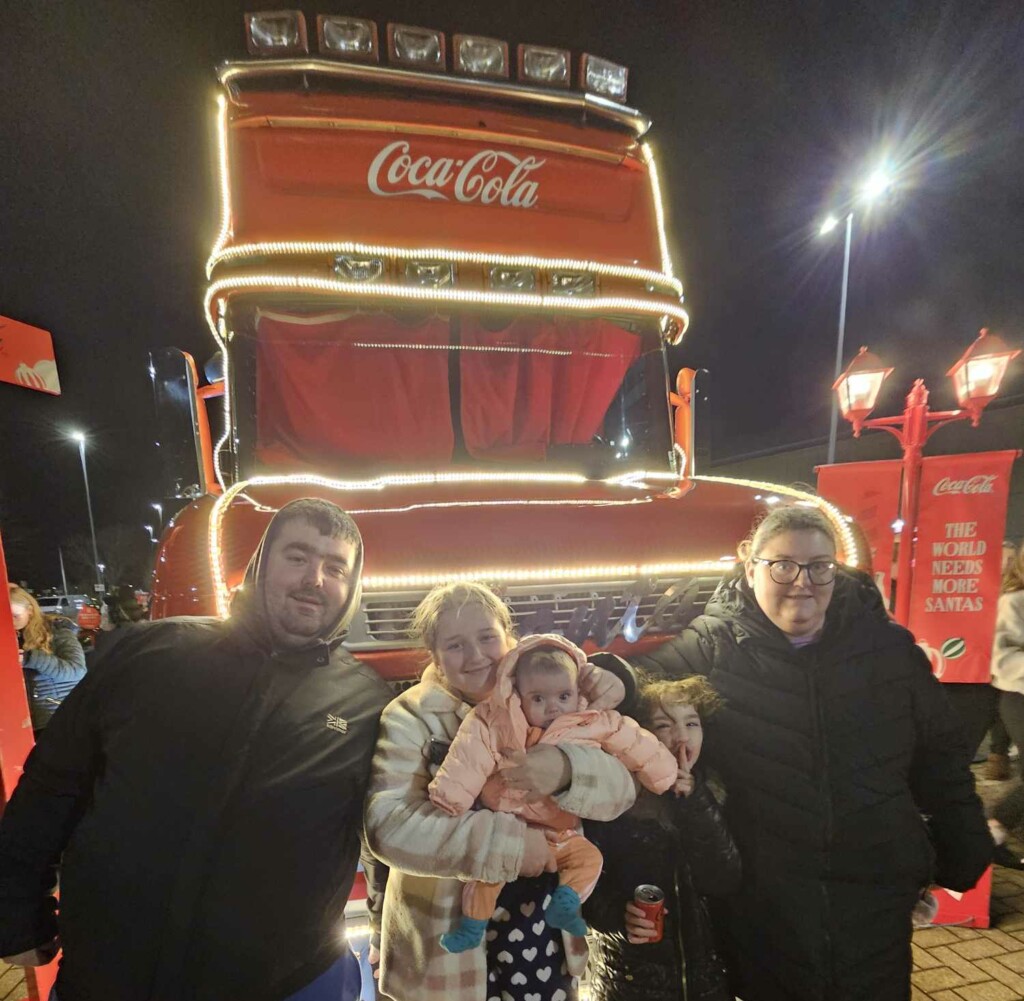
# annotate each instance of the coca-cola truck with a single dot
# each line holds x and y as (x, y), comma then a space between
(442, 295)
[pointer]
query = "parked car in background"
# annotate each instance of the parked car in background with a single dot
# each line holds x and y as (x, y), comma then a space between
(68, 605)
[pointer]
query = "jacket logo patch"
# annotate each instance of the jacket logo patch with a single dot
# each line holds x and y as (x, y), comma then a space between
(337, 723)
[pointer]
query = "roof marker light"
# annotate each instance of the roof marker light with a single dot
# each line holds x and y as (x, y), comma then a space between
(474, 55)
(537, 64)
(347, 38)
(603, 77)
(276, 33)
(358, 269)
(423, 48)
(572, 283)
(516, 279)
(430, 274)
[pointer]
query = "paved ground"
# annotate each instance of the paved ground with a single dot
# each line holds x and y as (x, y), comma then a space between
(950, 964)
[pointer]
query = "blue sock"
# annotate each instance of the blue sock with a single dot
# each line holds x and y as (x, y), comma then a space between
(470, 933)
(563, 911)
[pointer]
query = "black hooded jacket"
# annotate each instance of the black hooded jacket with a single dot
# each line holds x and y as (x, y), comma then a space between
(830, 755)
(206, 792)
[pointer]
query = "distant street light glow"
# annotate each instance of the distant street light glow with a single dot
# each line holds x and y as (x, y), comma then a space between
(828, 225)
(876, 185)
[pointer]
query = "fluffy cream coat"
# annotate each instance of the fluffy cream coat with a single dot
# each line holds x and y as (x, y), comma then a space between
(431, 853)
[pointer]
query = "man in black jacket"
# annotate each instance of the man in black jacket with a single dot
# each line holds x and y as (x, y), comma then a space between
(202, 791)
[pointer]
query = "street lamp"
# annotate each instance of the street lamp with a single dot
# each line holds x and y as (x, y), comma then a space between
(80, 438)
(976, 379)
(159, 508)
(877, 185)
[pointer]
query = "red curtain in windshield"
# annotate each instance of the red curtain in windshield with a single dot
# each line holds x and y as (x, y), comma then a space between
(355, 386)
(539, 382)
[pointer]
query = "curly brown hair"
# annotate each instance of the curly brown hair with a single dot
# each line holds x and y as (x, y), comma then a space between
(694, 691)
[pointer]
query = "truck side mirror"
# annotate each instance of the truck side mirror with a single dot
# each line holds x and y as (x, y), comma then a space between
(183, 430)
(691, 424)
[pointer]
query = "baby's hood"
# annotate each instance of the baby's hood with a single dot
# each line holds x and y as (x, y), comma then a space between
(504, 694)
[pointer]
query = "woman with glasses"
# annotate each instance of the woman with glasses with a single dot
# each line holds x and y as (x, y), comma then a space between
(847, 785)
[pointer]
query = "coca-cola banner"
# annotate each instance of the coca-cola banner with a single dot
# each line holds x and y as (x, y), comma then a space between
(961, 521)
(869, 492)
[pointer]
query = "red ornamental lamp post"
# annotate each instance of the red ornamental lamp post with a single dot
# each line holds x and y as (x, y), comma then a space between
(976, 379)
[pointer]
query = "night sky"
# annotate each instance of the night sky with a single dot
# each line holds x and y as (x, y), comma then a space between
(766, 113)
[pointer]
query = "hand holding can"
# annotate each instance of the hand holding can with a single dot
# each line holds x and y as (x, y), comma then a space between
(645, 915)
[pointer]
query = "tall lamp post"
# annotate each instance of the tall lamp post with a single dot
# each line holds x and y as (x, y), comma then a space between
(873, 189)
(976, 379)
(80, 438)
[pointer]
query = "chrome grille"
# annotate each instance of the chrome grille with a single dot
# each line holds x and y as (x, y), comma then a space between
(593, 610)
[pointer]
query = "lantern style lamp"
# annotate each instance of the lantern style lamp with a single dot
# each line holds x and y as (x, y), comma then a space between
(858, 387)
(979, 373)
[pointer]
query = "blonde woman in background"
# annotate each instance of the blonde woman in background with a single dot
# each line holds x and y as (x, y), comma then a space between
(52, 659)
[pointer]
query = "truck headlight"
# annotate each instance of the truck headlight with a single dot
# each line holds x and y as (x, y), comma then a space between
(430, 274)
(422, 48)
(276, 33)
(474, 55)
(347, 37)
(572, 283)
(541, 65)
(602, 77)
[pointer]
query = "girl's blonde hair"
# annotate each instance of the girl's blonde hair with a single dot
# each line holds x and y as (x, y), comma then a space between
(37, 634)
(445, 598)
(694, 691)
(1013, 579)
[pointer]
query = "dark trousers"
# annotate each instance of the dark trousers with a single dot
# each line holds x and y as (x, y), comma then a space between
(1010, 810)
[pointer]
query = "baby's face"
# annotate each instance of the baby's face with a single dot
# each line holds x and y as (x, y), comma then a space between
(546, 695)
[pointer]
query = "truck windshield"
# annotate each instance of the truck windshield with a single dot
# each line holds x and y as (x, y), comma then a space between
(356, 390)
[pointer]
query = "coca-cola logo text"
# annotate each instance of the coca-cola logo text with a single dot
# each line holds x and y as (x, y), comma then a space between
(974, 485)
(489, 176)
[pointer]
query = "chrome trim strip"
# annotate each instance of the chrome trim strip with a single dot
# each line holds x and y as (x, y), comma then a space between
(629, 118)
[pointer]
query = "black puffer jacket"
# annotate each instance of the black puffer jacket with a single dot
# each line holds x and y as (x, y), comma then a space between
(206, 791)
(682, 846)
(830, 754)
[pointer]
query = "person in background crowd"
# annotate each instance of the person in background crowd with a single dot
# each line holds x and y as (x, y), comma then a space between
(202, 791)
(677, 842)
(467, 629)
(52, 659)
(1008, 677)
(834, 740)
(123, 606)
(997, 768)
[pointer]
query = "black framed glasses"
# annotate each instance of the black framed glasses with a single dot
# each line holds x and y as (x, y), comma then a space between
(820, 572)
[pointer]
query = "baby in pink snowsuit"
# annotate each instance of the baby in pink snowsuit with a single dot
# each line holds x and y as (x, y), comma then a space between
(536, 700)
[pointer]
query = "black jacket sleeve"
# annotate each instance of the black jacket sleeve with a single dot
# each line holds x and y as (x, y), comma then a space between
(691, 652)
(707, 845)
(943, 787)
(39, 819)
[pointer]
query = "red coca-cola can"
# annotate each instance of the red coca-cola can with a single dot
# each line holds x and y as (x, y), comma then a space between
(651, 900)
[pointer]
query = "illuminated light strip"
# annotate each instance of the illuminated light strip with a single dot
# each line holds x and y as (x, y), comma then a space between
(271, 248)
(851, 551)
(659, 208)
(529, 575)
(224, 176)
(504, 503)
(544, 303)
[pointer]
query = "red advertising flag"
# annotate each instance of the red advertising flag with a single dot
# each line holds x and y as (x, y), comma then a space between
(26, 357)
(960, 525)
(869, 492)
